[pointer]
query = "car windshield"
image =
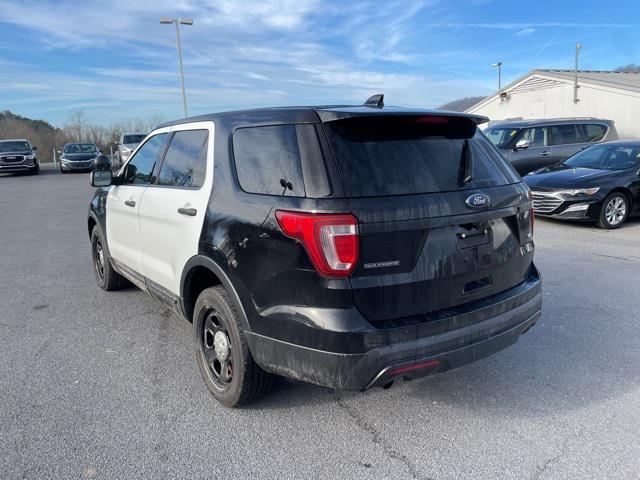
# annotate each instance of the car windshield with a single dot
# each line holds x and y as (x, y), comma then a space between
(6, 147)
(606, 157)
(80, 148)
(501, 136)
(128, 139)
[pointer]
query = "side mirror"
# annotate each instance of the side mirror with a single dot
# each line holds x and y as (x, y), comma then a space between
(101, 178)
(522, 144)
(34, 148)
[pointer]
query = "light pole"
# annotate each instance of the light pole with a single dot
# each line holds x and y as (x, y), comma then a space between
(178, 22)
(575, 82)
(498, 65)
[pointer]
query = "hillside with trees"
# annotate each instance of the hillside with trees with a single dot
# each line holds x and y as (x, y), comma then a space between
(461, 104)
(76, 129)
(39, 132)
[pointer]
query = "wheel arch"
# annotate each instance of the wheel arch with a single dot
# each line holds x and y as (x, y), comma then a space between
(624, 190)
(199, 273)
(91, 222)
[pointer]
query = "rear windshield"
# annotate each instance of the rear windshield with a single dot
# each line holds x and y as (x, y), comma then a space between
(410, 155)
(128, 139)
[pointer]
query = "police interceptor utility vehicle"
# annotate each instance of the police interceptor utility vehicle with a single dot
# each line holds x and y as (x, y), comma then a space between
(346, 246)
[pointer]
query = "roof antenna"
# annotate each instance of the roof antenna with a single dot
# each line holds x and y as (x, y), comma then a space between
(375, 101)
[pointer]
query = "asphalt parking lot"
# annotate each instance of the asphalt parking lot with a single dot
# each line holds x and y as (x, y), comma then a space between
(104, 385)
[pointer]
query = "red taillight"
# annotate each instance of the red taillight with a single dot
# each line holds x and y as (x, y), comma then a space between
(331, 240)
(416, 366)
(433, 119)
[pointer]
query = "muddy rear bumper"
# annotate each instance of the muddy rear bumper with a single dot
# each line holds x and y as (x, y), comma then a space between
(411, 351)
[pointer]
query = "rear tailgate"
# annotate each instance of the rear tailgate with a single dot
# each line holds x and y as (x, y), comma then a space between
(414, 260)
(437, 239)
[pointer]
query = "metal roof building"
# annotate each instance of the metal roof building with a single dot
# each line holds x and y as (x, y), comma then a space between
(552, 93)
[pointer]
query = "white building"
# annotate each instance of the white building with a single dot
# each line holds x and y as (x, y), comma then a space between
(550, 94)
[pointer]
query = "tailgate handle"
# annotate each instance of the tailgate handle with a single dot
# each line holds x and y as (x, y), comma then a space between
(476, 285)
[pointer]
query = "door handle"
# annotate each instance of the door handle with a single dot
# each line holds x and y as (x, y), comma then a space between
(130, 203)
(187, 211)
(545, 154)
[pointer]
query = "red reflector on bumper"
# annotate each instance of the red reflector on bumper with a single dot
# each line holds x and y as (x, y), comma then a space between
(415, 366)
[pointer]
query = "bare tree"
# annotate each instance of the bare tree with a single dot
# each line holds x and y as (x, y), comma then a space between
(75, 125)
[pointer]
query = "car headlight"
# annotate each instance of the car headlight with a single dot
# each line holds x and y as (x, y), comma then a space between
(30, 157)
(576, 192)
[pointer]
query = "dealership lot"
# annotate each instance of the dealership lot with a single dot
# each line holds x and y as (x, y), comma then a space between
(99, 385)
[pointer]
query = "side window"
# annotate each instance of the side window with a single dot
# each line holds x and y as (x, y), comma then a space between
(182, 158)
(563, 134)
(140, 168)
(266, 155)
(621, 158)
(591, 133)
(537, 136)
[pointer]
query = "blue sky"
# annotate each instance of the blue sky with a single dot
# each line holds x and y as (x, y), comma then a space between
(114, 60)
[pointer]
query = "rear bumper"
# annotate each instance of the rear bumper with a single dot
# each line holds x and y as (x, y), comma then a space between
(409, 352)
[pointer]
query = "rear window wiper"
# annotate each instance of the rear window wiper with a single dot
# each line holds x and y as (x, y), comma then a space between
(467, 163)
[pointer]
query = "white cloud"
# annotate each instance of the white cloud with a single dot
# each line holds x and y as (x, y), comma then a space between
(525, 31)
(238, 54)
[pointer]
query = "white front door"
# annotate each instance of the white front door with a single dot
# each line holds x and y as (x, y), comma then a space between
(123, 229)
(124, 200)
(173, 209)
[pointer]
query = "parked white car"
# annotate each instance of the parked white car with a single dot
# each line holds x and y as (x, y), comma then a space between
(128, 143)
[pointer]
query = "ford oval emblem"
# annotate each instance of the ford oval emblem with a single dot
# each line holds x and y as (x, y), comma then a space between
(478, 200)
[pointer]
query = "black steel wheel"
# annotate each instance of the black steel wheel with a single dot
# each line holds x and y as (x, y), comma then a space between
(106, 277)
(226, 364)
(217, 349)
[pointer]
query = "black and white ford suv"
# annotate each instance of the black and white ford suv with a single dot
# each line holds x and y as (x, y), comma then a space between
(18, 156)
(342, 246)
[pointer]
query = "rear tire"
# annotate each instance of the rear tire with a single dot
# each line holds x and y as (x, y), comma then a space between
(106, 277)
(614, 211)
(226, 364)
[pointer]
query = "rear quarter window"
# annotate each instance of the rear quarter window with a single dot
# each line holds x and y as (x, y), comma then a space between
(592, 132)
(402, 156)
(266, 155)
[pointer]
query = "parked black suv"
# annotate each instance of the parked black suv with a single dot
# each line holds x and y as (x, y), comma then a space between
(18, 156)
(343, 246)
(533, 144)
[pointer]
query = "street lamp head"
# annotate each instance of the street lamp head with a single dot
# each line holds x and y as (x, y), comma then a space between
(497, 64)
(167, 20)
(578, 45)
(186, 21)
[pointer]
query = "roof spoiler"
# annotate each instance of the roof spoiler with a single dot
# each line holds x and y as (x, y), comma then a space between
(375, 101)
